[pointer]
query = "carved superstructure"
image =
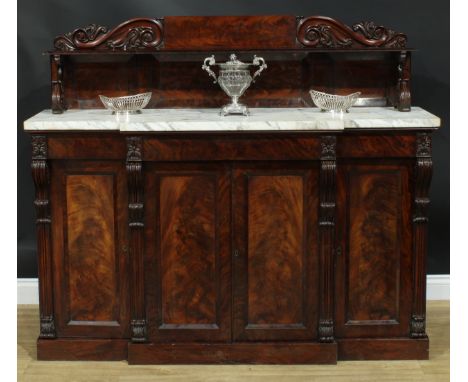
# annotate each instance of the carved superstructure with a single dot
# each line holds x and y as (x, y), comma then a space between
(300, 43)
(324, 32)
(312, 32)
(135, 34)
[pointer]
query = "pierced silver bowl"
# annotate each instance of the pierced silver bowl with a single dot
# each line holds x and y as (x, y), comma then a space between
(332, 102)
(126, 105)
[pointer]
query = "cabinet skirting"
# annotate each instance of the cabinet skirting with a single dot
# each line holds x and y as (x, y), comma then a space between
(228, 353)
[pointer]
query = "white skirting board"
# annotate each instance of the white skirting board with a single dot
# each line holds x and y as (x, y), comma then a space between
(438, 288)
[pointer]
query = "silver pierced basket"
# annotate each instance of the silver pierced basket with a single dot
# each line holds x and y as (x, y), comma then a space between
(333, 102)
(127, 104)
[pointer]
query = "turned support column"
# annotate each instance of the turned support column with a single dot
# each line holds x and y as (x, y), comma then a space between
(423, 175)
(40, 173)
(136, 232)
(403, 86)
(56, 72)
(327, 235)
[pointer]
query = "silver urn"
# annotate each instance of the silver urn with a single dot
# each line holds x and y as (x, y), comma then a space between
(234, 78)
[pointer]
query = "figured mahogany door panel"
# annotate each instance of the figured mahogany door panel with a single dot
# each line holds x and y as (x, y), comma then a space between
(188, 253)
(373, 277)
(275, 252)
(89, 248)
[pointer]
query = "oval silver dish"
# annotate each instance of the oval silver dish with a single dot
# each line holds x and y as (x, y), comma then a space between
(332, 102)
(126, 104)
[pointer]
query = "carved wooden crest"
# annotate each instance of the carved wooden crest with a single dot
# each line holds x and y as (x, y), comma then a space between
(135, 34)
(324, 32)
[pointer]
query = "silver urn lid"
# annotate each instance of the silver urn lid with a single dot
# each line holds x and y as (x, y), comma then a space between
(234, 63)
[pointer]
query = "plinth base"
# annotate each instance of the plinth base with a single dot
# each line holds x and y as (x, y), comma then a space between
(235, 109)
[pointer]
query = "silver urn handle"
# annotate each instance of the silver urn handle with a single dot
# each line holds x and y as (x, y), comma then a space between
(258, 61)
(206, 66)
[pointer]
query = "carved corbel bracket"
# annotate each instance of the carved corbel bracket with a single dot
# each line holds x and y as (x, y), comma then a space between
(135, 34)
(136, 230)
(40, 173)
(327, 235)
(423, 175)
(325, 32)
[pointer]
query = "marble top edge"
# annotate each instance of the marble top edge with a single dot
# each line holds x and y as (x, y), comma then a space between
(260, 119)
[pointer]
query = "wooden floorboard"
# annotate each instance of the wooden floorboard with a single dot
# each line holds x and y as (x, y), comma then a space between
(435, 369)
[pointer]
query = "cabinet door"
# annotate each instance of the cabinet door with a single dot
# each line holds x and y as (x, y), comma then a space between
(373, 271)
(88, 204)
(275, 252)
(188, 252)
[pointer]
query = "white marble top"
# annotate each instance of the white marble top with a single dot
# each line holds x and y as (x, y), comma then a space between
(260, 119)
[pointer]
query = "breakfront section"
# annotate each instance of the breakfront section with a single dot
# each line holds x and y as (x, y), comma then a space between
(232, 254)
(177, 235)
(380, 262)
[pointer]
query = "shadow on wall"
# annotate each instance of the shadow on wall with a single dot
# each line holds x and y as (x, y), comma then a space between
(28, 103)
(439, 211)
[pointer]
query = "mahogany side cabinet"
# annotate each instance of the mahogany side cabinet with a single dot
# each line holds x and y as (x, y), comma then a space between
(287, 247)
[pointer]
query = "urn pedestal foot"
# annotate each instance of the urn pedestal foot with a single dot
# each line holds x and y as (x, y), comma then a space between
(234, 108)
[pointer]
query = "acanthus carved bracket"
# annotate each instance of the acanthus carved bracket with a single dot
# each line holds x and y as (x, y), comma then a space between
(135, 34)
(327, 213)
(325, 32)
(40, 173)
(422, 181)
(136, 227)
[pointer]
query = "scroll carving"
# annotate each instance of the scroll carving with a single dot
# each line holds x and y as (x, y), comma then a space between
(135, 34)
(324, 32)
(40, 173)
(322, 36)
(327, 235)
(136, 38)
(388, 37)
(423, 175)
(79, 37)
(136, 227)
